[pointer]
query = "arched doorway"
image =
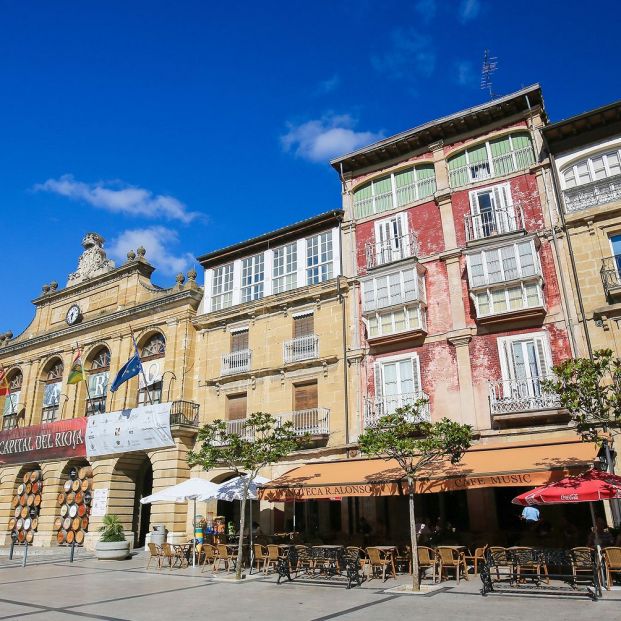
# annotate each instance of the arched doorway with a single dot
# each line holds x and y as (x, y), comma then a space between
(132, 479)
(26, 503)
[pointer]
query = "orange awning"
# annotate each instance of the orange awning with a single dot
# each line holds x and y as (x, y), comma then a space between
(485, 465)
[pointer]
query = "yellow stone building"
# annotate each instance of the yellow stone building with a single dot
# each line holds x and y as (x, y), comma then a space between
(100, 311)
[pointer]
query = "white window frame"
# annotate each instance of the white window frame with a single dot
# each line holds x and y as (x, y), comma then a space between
(502, 209)
(589, 162)
(225, 286)
(320, 271)
(490, 299)
(287, 272)
(254, 266)
(418, 296)
(505, 343)
(379, 371)
(408, 310)
(396, 245)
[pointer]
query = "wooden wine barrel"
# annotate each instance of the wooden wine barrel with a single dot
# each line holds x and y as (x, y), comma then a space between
(22, 500)
(21, 488)
(35, 475)
(24, 512)
(86, 484)
(85, 472)
(35, 523)
(64, 510)
(37, 500)
(18, 511)
(30, 536)
(84, 523)
(79, 537)
(28, 488)
(61, 536)
(76, 523)
(21, 535)
(73, 511)
(79, 498)
(75, 486)
(20, 524)
(12, 523)
(58, 523)
(26, 477)
(67, 523)
(67, 486)
(31, 500)
(70, 499)
(27, 523)
(14, 502)
(61, 498)
(82, 510)
(36, 486)
(70, 536)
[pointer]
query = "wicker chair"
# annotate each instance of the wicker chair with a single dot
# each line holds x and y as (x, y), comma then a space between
(534, 566)
(582, 563)
(476, 558)
(273, 555)
(209, 556)
(155, 552)
(427, 559)
(381, 561)
(362, 556)
(260, 555)
(501, 560)
(452, 558)
(403, 558)
(225, 557)
(612, 564)
(173, 554)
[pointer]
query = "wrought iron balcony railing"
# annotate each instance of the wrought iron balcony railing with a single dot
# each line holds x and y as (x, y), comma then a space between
(184, 413)
(301, 348)
(611, 274)
(391, 250)
(236, 362)
(494, 222)
(591, 194)
(376, 407)
(516, 396)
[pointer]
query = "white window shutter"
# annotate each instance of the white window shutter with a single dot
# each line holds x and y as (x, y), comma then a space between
(416, 375)
(378, 380)
(474, 203)
(544, 364)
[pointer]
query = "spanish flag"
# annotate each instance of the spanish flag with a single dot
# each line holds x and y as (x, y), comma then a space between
(76, 373)
(4, 384)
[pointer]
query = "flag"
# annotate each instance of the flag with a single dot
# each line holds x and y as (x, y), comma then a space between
(130, 369)
(4, 384)
(76, 373)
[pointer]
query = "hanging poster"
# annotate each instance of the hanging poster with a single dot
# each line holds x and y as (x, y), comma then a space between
(99, 505)
(137, 429)
(152, 371)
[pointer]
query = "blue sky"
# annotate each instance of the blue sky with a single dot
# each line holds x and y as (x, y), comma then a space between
(190, 125)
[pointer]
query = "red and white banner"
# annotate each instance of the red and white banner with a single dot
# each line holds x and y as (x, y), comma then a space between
(64, 438)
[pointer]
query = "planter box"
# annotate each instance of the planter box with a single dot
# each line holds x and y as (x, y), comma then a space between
(112, 550)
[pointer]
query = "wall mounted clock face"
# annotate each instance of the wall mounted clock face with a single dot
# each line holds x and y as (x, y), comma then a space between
(73, 315)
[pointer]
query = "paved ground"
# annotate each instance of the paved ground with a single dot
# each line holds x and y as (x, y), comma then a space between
(51, 589)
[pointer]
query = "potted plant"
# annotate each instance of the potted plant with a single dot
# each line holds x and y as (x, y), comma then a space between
(112, 544)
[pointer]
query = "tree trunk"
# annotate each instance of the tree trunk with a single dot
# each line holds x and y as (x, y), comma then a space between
(242, 524)
(415, 580)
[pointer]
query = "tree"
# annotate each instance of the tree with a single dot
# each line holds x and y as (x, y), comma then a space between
(590, 390)
(416, 445)
(261, 440)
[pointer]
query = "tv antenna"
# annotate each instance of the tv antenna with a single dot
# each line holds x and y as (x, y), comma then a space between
(490, 64)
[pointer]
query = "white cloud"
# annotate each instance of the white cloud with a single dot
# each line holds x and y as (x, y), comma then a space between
(322, 139)
(118, 197)
(426, 10)
(469, 10)
(409, 54)
(464, 73)
(327, 86)
(157, 241)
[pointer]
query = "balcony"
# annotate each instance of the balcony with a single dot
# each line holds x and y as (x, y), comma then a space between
(376, 407)
(184, 413)
(519, 399)
(498, 166)
(392, 250)
(236, 362)
(592, 194)
(494, 222)
(611, 275)
(301, 348)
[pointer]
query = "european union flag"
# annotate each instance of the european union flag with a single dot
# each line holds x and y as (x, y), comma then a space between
(130, 369)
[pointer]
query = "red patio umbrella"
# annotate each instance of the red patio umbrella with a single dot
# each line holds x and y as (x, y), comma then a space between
(590, 486)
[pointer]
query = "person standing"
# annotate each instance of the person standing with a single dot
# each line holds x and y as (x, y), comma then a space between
(530, 515)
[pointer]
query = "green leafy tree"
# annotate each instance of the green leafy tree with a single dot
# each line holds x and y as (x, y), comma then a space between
(590, 390)
(261, 440)
(417, 446)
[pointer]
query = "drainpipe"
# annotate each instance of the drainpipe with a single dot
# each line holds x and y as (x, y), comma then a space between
(344, 331)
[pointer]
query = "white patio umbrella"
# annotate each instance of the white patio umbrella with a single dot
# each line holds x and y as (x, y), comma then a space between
(192, 489)
(232, 490)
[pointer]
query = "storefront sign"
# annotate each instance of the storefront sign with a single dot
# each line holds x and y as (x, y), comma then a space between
(329, 492)
(99, 506)
(142, 428)
(64, 438)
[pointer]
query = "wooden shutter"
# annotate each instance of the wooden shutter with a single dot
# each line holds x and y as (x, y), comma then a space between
(239, 340)
(304, 325)
(305, 397)
(236, 407)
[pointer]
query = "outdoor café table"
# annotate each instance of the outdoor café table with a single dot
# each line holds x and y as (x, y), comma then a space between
(183, 550)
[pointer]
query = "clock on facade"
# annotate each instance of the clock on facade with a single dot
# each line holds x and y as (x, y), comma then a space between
(73, 315)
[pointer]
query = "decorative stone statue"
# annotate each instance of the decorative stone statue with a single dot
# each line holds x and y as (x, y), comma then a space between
(93, 261)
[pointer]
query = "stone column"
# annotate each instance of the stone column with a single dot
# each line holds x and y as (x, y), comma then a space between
(468, 413)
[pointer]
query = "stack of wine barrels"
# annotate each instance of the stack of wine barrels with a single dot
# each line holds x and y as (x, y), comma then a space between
(75, 506)
(26, 505)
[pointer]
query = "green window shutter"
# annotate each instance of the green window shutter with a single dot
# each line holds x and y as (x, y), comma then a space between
(457, 177)
(426, 177)
(363, 203)
(382, 190)
(524, 146)
(477, 154)
(500, 146)
(404, 177)
(406, 190)
(520, 141)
